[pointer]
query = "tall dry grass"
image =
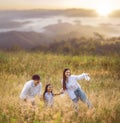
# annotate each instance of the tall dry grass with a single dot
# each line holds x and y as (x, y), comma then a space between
(103, 90)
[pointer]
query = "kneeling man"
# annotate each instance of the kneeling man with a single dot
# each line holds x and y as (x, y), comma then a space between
(31, 89)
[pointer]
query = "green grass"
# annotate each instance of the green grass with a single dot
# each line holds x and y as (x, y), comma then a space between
(103, 89)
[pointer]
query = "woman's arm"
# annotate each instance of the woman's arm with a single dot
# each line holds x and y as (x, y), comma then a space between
(82, 76)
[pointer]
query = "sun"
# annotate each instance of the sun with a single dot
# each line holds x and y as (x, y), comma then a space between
(103, 9)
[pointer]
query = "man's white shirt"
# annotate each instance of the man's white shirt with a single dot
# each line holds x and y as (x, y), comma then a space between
(30, 90)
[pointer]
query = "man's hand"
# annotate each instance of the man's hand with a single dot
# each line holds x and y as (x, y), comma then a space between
(40, 98)
(25, 99)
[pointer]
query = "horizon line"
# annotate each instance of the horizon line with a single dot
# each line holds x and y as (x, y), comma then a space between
(50, 9)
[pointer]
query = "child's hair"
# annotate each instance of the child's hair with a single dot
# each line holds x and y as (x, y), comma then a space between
(46, 87)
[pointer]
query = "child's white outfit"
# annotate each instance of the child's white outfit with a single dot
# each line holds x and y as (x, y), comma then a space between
(49, 99)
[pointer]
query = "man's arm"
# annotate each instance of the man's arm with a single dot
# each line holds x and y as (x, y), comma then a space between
(24, 92)
(40, 92)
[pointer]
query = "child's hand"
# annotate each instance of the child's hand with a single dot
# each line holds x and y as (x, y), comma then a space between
(61, 92)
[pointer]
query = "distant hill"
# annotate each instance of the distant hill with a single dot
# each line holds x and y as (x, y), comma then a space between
(97, 44)
(90, 46)
(115, 13)
(47, 12)
(36, 13)
(25, 40)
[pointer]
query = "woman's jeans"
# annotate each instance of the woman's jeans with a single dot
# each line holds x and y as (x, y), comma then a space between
(80, 94)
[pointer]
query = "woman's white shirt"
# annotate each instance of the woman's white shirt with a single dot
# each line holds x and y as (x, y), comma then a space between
(72, 84)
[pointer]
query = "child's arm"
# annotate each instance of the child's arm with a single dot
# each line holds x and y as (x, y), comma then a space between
(57, 94)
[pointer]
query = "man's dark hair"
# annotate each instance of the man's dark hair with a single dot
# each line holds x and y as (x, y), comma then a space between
(36, 77)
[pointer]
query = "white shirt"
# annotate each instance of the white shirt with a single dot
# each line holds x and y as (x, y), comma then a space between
(30, 90)
(49, 98)
(73, 84)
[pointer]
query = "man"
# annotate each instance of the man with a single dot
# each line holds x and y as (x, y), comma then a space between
(31, 89)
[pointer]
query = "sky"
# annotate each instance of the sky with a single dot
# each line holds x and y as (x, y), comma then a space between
(58, 4)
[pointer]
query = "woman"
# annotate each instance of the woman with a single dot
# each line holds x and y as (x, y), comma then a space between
(72, 87)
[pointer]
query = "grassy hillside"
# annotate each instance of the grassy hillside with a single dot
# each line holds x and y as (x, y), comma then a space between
(103, 89)
(60, 37)
(81, 46)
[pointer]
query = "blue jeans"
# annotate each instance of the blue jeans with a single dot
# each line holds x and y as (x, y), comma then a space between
(80, 94)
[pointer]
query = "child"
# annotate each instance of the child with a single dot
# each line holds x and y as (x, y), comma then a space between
(48, 95)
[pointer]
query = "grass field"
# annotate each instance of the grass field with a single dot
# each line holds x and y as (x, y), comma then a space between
(103, 90)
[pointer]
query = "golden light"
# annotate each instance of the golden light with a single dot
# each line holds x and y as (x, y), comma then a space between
(103, 9)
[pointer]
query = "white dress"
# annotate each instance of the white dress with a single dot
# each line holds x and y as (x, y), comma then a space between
(49, 99)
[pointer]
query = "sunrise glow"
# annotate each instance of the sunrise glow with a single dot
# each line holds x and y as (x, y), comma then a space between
(104, 9)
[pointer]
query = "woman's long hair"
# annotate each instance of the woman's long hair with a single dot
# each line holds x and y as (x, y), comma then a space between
(46, 87)
(64, 78)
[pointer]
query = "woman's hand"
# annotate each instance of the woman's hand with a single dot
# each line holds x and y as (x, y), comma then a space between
(87, 77)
